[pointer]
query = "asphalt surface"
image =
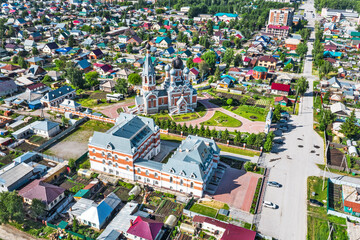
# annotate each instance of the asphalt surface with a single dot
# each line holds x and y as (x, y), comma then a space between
(292, 164)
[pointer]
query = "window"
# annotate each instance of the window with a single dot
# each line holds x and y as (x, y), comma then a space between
(148, 180)
(127, 159)
(128, 168)
(94, 157)
(155, 175)
(147, 173)
(93, 150)
(139, 170)
(191, 185)
(109, 162)
(104, 169)
(117, 172)
(181, 182)
(116, 164)
(171, 179)
(103, 154)
(139, 177)
(116, 157)
(109, 155)
(103, 161)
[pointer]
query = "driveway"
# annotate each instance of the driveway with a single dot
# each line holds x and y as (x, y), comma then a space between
(237, 188)
(8, 232)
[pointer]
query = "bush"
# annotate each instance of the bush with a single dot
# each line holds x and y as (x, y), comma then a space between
(126, 185)
(132, 197)
(249, 166)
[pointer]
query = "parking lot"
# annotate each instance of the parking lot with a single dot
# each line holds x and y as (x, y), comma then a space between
(237, 188)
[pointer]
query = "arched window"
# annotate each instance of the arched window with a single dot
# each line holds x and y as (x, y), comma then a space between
(93, 150)
(128, 168)
(145, 79)
(109, 155)
(103, 161)
(181, 182)
(155, 175)
(147, 173)
(171, 179)
(116, 157)
(191, 185)
(116, 164)
(102, 153)
(139, 170)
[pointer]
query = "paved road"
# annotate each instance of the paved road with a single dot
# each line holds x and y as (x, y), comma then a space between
(295, 165)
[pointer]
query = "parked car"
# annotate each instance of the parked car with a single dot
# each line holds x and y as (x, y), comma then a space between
(315, 203)
(282, 120)
(274, 184)
(270, 205)
(283, 128)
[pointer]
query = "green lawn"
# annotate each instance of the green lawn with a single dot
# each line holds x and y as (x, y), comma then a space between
(222, 217)
(161, 116)
(170, 138)
(204, 210)
(222, 120)
(185, 117)
(239, 151)
(200, 109)
(249, 112)
(318, 219)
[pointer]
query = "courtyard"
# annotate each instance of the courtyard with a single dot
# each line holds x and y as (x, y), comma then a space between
(76, 144)
(237, 188)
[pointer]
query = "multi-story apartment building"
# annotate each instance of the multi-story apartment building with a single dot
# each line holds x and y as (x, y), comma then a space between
(283, 17)
(126, 149)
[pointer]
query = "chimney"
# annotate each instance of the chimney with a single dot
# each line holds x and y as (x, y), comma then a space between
(131, 222)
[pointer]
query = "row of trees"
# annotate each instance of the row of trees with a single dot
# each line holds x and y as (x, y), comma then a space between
(251, 140)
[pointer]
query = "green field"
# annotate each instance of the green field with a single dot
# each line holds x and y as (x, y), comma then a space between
(222, 120)
(204, 210)
(249, 112)
(185, 117)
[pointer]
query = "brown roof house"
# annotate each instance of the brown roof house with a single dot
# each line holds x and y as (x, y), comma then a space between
(46, 192)
(268, 62)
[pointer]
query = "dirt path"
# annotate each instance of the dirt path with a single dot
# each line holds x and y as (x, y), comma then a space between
(8, 232)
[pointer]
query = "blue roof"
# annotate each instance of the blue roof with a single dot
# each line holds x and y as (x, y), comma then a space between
(84, 64)
(63, 50)
(228, 76)
(226, 14)
(57, 93)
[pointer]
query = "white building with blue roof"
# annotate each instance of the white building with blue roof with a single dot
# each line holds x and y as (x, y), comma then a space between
(57, 96)
(126, 151)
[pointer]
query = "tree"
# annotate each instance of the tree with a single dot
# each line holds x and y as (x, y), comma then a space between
(134, 79)
(71, 41)
(121, 86)
(129, 48)
(75, 77)
(47, 79)
(60, 64)
(204, 68)
(237, 60)
(249, 166)
(250, 140)
(288, 67)
(92, 78)
(301, 49)
(210, 58)
(190, 63)
(213, 133)
(22, 62)
(301, 86)
(75, 225)
(326, 118)
(11, 207)
(35, 51)
(268, 145)
(225, 135)
(277, 113)
(209, 27)
(349, 127)
(217, 74)
(229, 101)
(37, 208)
(15, 59)
(228, 56)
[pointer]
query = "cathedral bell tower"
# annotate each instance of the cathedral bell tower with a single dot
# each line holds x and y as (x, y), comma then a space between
(148, 73)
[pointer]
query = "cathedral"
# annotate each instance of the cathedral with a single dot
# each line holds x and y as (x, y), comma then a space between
(176, 93)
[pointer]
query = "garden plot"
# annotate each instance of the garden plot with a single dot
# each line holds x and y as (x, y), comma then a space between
(167, 208)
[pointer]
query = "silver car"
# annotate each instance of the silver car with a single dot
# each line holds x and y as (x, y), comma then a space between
(274, 184)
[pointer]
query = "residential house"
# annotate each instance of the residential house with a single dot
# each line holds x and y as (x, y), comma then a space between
(35, 70)
(267, 61)
(29, 45)
(223, 230)
(57, 96)
(123, 38)
(259, 72)
(95, 215)
(283, 101)
(43, 128)
(96, 54)
(292, 43)
(70, 105)
(108, 86)
(278, 30)
(280, 89)
(194, 74)
(84, 65)
(47, 193)
(7, 88)
(144, 228)
(163, 42)
(226, 81)
(36, 61)
(135, 40)
(50, 48)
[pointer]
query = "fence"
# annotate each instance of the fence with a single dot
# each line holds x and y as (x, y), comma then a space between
(69, 231)
(80, 114)
(81, 158)
(61, 135)
(51, 158)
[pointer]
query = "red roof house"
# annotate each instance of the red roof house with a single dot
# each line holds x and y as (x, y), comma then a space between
(280, 89)
(283, 101)
(145, 228)
(225, 230)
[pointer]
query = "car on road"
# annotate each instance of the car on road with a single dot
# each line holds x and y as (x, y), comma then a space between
(274, 184)
(270, 205)
(315, 203)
